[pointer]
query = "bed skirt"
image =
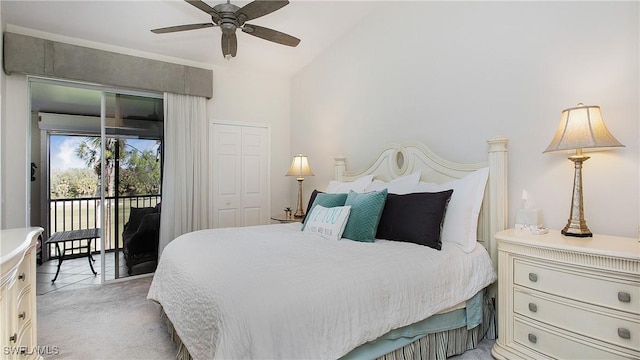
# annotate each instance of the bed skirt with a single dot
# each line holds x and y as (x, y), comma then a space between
(444, 344)
(434, 346)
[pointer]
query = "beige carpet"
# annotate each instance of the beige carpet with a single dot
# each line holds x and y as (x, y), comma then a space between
(112, 321)
(116, 321)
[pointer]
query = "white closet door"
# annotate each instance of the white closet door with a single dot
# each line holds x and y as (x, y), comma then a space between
(255, 178)
(240, 175)
(227, 170)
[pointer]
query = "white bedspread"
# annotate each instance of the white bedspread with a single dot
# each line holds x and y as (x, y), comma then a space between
(273, 292)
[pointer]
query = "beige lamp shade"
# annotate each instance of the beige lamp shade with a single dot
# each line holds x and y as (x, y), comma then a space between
(582, 127)
(300, 167)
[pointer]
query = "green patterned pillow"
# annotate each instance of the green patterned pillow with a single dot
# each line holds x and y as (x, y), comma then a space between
(366, 209)
(326, 200)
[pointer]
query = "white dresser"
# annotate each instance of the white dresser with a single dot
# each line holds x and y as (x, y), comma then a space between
(566, 297)
(18, 339)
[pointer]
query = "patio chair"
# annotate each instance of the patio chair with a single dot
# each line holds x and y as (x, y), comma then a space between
(140, 236)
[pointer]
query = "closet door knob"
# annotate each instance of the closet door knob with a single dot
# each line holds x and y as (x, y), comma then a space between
(533, 277)
(22, 315)
(22, 277)
(13, 338)
(624, 296)
(624, 333)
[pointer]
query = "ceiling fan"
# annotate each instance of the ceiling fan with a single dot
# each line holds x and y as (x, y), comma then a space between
(230, 17)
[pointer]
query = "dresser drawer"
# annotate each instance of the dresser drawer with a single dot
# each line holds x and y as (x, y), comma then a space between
(558, 345)
(611, 326)
(23, 307)
(23, 276)
(611, 292)
(25, 344)
(18, 334)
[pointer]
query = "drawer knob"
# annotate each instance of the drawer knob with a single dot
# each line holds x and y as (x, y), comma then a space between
(22, 277)
(624, 296)
(624, 333)
(533, 307)
(533, 277)
(22, 315)
(532, 338)
(13, 338)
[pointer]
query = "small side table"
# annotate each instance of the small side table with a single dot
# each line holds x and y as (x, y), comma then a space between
(82, 234)
(285, 219)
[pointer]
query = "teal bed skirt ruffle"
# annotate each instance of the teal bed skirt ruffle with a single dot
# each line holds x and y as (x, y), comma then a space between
(438, 337)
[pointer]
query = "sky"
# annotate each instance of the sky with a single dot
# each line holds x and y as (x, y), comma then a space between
(63, 151)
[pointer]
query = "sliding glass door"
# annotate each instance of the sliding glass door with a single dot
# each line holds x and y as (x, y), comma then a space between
(101, 161)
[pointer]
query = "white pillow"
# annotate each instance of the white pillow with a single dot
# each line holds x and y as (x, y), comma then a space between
(402, 185)
(461, 217)
(343, 187)
(327, 222)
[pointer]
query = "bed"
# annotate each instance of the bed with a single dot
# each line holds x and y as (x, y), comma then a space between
(283, 291)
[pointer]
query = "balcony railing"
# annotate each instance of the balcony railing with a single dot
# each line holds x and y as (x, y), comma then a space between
(76, 214)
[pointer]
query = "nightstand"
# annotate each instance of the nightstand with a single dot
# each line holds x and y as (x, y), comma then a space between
(566, 297)
(285, 219)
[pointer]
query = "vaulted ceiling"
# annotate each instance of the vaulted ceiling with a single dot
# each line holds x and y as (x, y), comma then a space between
(127, 24)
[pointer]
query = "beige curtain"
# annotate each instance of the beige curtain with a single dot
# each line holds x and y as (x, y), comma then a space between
(185, 183)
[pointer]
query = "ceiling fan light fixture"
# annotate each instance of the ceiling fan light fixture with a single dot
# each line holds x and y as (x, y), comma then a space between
(230, 17)
(228, 28)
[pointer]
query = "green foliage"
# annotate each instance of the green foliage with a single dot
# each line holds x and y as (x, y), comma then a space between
(139, 171)
(73, 183)
(140, 174)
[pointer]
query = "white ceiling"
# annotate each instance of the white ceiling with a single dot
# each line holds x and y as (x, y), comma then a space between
(127, 24)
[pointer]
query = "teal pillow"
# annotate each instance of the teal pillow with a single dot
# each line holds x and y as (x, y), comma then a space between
(327, 200)
(366, 209)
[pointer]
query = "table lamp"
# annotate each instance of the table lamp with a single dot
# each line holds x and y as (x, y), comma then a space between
(581, 128)
(300, 168)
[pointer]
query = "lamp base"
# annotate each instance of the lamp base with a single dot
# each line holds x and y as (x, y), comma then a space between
(577, 231)
(299, 212)
(576, 225)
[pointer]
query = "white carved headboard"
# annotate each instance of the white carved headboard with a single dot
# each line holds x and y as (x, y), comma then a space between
(396, 160)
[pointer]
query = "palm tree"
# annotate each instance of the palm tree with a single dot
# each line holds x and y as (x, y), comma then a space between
(89, 150)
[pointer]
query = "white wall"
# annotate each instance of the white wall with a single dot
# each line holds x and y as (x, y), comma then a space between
(16, 169)
(454, 74)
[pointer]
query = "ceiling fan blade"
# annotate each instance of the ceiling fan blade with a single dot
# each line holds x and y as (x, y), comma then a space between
(229, 44)
(181, 28)
(271, 35)
(201, 5)
(206, 8)
(258, 8)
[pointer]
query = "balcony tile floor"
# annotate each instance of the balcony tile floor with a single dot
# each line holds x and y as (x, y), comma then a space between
(76, 273)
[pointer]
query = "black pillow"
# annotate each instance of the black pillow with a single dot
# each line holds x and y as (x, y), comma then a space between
(311, 200)
(415, 218)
